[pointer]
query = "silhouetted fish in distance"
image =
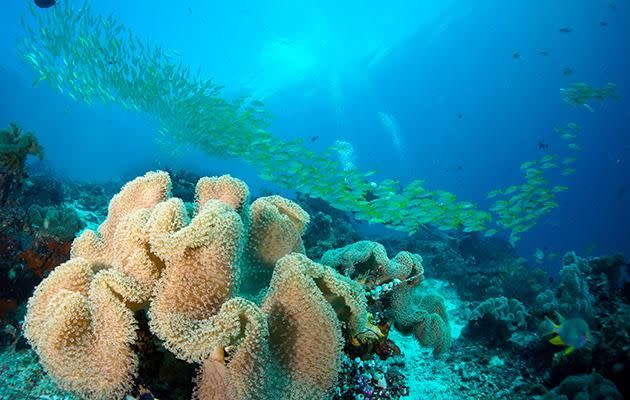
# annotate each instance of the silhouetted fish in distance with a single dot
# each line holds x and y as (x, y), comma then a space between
(542, 145)
(567, 71)
(565, 29)
(543, 53)
(516, 55)
(45, 3)
(603, 23)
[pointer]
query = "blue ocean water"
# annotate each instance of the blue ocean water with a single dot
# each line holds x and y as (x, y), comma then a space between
(469, 97)
(422, 90)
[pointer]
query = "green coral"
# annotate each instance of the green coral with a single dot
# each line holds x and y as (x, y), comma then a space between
(583, 387)
(15, 146)
(59, 222)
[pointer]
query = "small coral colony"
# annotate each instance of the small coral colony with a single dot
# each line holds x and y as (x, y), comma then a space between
(177, 286)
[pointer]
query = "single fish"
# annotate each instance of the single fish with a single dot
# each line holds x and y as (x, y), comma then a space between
(567, 72)
(543, 53)
(573, 333)
(45, 3)
(516, 55)
(603, 23)
(565, 29)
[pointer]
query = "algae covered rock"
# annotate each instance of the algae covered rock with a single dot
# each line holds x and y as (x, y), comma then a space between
(15, 146)
(584, 387)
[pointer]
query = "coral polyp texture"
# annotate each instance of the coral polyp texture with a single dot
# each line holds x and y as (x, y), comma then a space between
(185, 272)
(424, 315)
(80, 319)
(368, 263)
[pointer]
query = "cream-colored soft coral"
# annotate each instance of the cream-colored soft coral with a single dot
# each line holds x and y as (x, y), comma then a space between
(78, 323)
(304, 306)
(238, 367)
(80, 318)
(200, 275)
(231, 191)
(276, 226)
(290, 347)
(141, 193)
(186, 271)
(424, 315)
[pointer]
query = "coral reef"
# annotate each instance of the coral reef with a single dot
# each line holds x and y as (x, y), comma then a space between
(495, 319)
(367, 262)
(371, 379)
(150, 255)
(218, 288)
(424, 315)
(15, 146)
(59, 222)
(583, 387)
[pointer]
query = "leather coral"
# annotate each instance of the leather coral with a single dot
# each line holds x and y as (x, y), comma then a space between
(188, 272)
(80, 318)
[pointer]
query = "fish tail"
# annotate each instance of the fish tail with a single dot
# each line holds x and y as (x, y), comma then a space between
(556, 340)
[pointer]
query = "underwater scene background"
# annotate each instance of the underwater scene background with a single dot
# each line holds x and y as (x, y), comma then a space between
(317, 200)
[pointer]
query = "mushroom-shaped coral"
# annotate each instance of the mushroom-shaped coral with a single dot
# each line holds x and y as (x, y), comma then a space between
(305, 304)
(294, 351)
(495, 319)
(80, 318)
(200, 275)
(424, 315)
(241, 328)
(150, 254)
(368, 263)
(227, 189)
(275, 229)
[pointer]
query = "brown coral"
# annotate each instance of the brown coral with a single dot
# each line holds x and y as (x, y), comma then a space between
(242, 329)
(424, 315)
(277, 225)
(82, 330)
